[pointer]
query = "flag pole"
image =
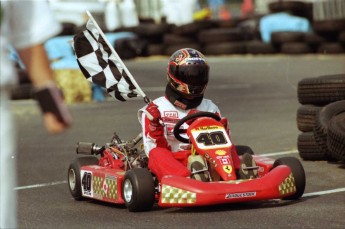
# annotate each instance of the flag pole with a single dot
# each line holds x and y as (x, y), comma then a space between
(141, 92)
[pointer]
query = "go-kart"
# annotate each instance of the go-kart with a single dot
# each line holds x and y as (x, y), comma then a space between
(121, 176)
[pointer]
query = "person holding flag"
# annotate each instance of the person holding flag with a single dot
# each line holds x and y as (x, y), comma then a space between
(187, 76)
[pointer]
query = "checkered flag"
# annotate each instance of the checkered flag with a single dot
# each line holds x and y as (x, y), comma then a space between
(101, 65)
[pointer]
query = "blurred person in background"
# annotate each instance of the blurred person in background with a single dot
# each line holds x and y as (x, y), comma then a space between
(219, 9)
(25, 25)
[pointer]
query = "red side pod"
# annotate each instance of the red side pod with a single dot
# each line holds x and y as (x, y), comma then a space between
(102, 183)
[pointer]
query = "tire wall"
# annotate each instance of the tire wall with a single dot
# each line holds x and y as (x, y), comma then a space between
(321, 118)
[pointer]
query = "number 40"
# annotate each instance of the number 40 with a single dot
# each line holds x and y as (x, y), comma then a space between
(214, 138)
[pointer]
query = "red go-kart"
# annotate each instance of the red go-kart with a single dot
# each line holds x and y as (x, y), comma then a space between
(118, 173)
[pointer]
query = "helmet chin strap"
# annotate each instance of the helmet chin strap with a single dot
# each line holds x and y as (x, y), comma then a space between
(176, 99)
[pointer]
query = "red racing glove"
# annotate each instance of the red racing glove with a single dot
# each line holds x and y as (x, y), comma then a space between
(153, 114)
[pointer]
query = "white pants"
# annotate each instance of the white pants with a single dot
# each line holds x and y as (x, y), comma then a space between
(8, 175)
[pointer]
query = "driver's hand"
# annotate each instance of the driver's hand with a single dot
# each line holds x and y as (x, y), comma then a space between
(153, 114)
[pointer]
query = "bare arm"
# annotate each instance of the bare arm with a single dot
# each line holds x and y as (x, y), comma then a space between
(40, 73)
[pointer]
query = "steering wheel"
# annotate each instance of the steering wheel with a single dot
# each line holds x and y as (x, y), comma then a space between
(177, 131)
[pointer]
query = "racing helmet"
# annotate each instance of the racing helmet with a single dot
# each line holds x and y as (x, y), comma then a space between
(187, 76)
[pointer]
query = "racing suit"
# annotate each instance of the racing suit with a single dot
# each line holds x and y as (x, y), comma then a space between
(167, 155)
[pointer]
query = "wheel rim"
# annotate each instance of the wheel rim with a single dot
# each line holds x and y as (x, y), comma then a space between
(72, 179)
(127, 191)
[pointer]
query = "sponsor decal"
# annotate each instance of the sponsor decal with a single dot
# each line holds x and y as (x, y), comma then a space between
(227, 168)
(208, 128)
(86, 183)
(180, 105)
(240, 195)
(195, 58)
(170, 114)
(170, 129)
(221, 157)
(220, 152)
(225, 161)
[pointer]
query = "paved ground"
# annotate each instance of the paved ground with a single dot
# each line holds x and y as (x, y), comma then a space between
(257, 94)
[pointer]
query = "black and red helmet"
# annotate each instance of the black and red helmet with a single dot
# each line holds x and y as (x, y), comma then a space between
(187, 76)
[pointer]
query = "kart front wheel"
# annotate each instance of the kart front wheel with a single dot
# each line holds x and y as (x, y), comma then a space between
(242, 149)
(138, 190)
(74, 179)
(297, 172)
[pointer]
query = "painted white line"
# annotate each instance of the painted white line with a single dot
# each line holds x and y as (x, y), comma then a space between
(279, 153)
(40, 185)
(324, 192)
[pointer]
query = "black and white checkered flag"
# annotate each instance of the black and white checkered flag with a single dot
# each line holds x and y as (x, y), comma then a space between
(101, 65)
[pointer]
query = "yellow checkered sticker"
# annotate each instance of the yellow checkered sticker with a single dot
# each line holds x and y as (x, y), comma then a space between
(106, 188)
(172, 195)
(288, 185)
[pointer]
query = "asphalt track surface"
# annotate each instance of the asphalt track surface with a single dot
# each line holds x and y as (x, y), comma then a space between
(257, 94)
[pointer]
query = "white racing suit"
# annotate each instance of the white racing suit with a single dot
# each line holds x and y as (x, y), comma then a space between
(167, 155)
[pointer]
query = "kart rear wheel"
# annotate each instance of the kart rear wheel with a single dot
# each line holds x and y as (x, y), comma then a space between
(297, 172)
(74, 178)
(138, 190)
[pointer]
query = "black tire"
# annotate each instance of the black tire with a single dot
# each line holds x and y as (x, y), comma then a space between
(201, 176)
(73, 175)
(138, 190)
(278, 38)
(155, 49)
(331, 48)
(259, 47)
(341, 37)
(306, 117)
(220, 35)
(336, 137)
(152, 29)
(242, 149)
(170, 49)
(308, 148)
(313, 40)
(295, 48)
(131, 47)
(193, 28)
(297, 172)
(171, 39)
(321, 90)
(287, 6)
(322, 124)
(335, 25)
(225, 48)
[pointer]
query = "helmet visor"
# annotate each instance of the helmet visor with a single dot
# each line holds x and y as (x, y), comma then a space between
(186, 88)
(191, 74)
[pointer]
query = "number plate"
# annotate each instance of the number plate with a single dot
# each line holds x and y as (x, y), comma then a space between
(210, 137)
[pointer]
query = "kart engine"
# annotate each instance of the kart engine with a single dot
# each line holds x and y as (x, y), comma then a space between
(131, 156)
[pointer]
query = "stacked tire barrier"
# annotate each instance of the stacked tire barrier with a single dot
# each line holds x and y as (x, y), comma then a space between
(321, 118)
(244, 36)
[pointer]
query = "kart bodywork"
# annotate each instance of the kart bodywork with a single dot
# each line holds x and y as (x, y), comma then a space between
(121, 175)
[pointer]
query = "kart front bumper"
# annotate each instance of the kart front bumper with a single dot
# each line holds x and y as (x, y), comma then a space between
(185, 192)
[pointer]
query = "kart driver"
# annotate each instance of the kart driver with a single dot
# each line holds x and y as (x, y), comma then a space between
(187, 76)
